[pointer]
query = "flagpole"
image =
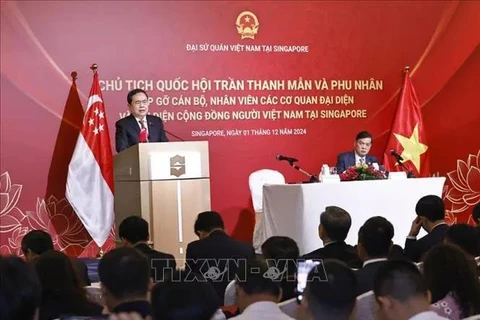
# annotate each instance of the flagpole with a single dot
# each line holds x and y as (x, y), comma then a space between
(406, 69)
(94, 68)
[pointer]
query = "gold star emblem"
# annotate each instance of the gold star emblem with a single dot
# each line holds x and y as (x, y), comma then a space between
(412, 147)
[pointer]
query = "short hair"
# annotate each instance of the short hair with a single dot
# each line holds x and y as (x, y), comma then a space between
(376, 236)
(399, 279)
(476, 213)
(125, 272)
(284, 251)
(336, 223)
(134, 229)
(466, 237)
(431, 207)
(207, 221)
(37, 241)
(363, 135)
(134, 92)
(334, 298)
(181, 298)
(253, 280)
(19, 290)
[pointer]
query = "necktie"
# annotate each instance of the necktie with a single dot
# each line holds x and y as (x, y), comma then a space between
(143, 132)
(362, 160)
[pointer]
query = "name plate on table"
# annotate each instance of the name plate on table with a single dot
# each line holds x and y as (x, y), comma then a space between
(397, 175)
(175, 165)
(330, 178)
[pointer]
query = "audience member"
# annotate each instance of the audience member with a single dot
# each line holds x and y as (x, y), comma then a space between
(374, 244)
(258, 294)
(453, 282)
(37, 242)
(431, 217)
(62, 291)
(401, 292)
(133, 231)
(185, 297)
(333, 299)
(19, 290)
(217, 251)
(466, 237)
(333, 229)
(125, 281)
(476, 214)
(282, 253)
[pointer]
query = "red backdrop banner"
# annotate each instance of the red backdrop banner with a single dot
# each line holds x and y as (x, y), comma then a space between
(254, 78)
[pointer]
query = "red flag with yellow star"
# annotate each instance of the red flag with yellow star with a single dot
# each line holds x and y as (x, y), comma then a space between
(407, 136)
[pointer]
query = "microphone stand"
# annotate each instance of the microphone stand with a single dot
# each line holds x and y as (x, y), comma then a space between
(296, 167)
(409, 172)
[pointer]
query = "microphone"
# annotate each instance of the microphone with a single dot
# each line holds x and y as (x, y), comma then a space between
(396, 155)
(173, 135)
(282, 158)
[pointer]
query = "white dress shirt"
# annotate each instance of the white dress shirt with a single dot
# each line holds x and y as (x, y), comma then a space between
(373, 260)
(427, 315)
(357, 159)
(264, 310)
(145, 123)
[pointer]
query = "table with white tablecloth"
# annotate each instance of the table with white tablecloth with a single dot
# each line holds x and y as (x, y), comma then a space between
(294, 210)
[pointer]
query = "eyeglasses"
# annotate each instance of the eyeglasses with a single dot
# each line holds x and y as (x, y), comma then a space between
(139, 103)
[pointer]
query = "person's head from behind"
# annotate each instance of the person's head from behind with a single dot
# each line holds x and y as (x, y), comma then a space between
(335, 223)
(281, 252)
(476, 214)
(330, 295)
(184, 297)
(254, 285)
(124, 275)
(363, 143)
(207, 222)
(375, 238)
(35, 243)
(447, 269)
(19, 290)
(466, 237)
(400, 290)
(133, 230)
(58, 277)
(138, 103)
(430, 211)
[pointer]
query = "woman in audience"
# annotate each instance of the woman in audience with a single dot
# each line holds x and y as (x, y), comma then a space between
(452, 280)
(282, 253)
(62, 293)
(185, 296)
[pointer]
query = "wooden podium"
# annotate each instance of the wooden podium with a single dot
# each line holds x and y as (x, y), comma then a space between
(167, 184)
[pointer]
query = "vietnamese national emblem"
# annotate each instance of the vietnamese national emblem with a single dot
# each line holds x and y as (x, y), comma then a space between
(247, 25)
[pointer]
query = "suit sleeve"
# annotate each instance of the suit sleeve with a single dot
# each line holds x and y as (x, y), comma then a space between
(121, 140)
(340, 164)
(163, 136)
(412, 250)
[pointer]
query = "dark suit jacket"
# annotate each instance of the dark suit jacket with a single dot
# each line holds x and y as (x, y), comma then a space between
(366, 275)
(162, 264)
(347, 159)
(415, 249)
(217, 248)
(127, 131)
(336, 250)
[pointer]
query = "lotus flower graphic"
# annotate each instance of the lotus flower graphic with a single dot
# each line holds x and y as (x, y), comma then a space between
(10, 215)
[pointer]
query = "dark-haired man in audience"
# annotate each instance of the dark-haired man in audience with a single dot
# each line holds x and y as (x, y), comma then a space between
(464, 236)
(431, 217)
(333, 299)
(258, 294)
(333, 229)
(125, 281)
(401, 292)
(374, 244)
(216, 251)
(37, 242)
(20, 291)
(133, 231)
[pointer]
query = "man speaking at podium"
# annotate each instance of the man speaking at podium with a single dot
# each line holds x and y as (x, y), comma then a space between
(138, 127)
(363, 143)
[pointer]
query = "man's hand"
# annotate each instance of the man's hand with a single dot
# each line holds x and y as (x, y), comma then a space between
(415, 229)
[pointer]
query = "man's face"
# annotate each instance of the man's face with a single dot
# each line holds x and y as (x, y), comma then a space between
(139, 105)
(362, 146)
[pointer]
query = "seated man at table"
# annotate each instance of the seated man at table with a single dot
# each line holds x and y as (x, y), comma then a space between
(362, 145)
(333, 229)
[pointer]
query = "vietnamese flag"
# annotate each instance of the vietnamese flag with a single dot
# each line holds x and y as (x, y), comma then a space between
(407, 136)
